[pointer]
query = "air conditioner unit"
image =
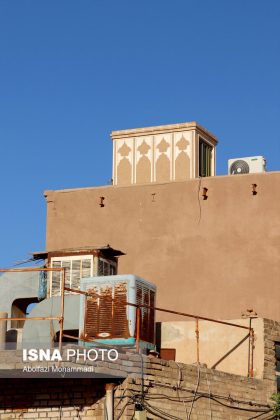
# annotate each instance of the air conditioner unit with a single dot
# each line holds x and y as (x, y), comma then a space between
(248, 165)
(107, 319)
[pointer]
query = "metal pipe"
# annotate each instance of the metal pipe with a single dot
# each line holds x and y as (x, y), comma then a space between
(252, 339)
(109, 402)
(3, 330)
(71, 336)
(61, 321)
(197, 340)
(202, 318)
(3, 270)
(138, 318)
(15, 270)
(109, 397)
(33, 318)
(249, 347)
(86, 340)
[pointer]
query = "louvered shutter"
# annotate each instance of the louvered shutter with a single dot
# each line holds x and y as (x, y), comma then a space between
(86, 268)
(67, 265)
(120, 321)
(105, 317)
(55, 279)
(91, 316)
(76, 274)
(145, 296)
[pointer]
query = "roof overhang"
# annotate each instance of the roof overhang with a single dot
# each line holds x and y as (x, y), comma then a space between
(106, 251)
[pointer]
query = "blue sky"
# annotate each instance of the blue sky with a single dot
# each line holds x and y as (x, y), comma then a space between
(72, 71)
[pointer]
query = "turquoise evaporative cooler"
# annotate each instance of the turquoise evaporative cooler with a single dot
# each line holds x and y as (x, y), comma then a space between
(106, 318)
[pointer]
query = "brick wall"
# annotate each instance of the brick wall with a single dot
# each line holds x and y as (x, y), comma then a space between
(55, 399)
(184, 385)
(173, 388)
(177, 389)
(271, 335)
(166, 386)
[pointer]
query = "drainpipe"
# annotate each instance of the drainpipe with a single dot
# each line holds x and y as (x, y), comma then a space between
(109, 402)
(3, 330)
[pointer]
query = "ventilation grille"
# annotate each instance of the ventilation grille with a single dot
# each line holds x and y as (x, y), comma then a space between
(104, 317)
(246, 165)
(239, 167)
(145, 296)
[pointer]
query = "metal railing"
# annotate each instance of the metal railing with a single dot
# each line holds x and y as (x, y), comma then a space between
(197, 318)
(60, 318)
(250, 336)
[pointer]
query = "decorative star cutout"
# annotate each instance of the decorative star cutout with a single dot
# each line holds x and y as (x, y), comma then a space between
(163, 146)
(143, 148)
(124, 150)
(182, 143)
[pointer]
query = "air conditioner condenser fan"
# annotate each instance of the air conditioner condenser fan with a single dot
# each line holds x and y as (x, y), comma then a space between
(239, 167)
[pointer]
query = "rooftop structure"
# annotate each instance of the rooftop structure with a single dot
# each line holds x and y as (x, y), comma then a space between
(163, 153)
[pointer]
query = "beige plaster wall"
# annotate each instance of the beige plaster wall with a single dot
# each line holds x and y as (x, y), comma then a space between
(215, 341)
(159, 154)
(214, 257)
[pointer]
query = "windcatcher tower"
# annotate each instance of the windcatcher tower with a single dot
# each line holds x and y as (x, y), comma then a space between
(164, 153)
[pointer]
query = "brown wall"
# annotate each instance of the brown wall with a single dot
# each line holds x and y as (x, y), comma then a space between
(214, 257)
(220, 345)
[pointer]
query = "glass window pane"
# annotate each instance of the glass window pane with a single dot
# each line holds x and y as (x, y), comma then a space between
(205, 156)
(76, 274)
(55, 285)
(86, 268)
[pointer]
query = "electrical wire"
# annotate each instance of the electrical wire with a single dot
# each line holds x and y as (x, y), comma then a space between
(192, 400)
(259, 415)
(160, 413)
(266, 406)
(167, 397)
(178, 385)
(121, 397)
(208, 384)
(136, 398)
(124, 407)
(195, 393)
(239, 408)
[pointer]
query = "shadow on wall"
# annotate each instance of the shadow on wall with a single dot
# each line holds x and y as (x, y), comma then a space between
(51, 395)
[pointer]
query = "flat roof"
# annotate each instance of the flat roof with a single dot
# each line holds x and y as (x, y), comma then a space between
(158, 129)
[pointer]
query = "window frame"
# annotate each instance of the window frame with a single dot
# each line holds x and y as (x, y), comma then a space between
(205, 167)
(70, 258)
(109, 262)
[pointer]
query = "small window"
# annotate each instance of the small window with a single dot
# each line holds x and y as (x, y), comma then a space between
(106, 267)
(205, 158)
(76, 267)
